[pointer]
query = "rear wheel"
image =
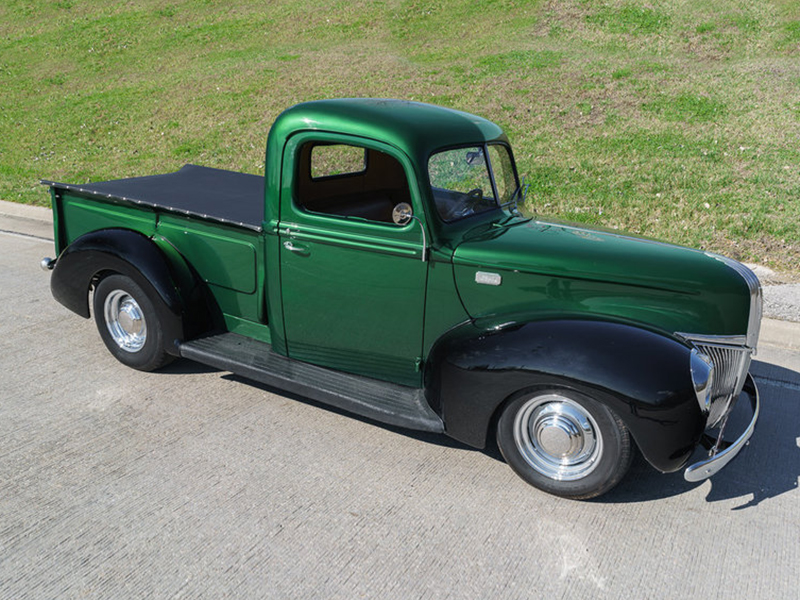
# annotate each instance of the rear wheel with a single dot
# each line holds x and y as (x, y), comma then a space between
(128, 323)
(564, 442)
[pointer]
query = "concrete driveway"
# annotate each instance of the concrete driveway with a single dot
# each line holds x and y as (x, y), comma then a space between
(191, 483)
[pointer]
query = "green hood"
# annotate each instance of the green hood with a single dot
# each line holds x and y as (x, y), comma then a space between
(551, 270)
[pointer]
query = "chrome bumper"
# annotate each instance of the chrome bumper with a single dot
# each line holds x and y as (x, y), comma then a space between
(712, 465)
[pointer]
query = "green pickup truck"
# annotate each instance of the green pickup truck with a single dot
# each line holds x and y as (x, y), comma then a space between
(382, 266)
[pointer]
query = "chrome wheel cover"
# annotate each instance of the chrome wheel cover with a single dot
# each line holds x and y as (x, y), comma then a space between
(125, 321)
(558, 437)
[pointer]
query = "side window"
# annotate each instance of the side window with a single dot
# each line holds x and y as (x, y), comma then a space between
(349, 181)
(337, 159)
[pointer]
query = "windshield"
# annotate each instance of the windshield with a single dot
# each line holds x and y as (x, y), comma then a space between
(471, 180)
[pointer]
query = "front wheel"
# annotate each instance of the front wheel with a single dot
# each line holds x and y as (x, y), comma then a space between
(128, 323)
(564, 442)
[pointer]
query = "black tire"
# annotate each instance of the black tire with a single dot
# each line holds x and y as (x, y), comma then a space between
(564, 442)
(128, 323)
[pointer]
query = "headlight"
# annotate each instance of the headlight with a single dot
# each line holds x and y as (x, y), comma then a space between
(703, 378)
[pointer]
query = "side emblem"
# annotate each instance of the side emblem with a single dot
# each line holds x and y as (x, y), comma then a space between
(488, 278)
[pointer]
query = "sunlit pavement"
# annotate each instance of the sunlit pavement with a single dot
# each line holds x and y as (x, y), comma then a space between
(193, 483)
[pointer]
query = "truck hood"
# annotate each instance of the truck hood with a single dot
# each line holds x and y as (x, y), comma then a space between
(549, 268)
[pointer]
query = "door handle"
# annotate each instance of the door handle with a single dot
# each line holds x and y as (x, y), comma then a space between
(292, 248)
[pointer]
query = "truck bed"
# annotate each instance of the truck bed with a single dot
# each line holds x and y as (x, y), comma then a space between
(215, 194)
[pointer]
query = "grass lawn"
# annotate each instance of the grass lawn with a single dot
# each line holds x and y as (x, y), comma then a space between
(672, 119)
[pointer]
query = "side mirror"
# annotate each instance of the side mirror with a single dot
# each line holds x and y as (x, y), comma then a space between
(403, 214)
(475, 159)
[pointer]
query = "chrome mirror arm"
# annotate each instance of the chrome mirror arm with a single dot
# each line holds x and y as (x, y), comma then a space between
(424, 237)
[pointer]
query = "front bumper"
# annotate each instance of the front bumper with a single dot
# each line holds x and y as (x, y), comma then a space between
(716, 462)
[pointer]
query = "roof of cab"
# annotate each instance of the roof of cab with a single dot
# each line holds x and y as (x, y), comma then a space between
(416, 128)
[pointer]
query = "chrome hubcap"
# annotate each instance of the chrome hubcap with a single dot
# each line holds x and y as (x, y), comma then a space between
(125, 321)
(557, 437)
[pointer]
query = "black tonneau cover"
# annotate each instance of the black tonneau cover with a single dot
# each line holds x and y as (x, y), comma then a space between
(215, 194)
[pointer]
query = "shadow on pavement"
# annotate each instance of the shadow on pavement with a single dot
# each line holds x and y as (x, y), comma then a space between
(423, 436)
(768, 467)
(187, 367)
(771, 465)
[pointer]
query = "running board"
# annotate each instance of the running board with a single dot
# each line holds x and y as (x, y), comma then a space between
(385, 402)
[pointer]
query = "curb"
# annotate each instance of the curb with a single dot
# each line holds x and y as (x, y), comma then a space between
(34, 221)
(26, 211)
(37, 221)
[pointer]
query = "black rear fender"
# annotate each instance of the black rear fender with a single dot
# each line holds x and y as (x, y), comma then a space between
(642, 376)
(163, 271)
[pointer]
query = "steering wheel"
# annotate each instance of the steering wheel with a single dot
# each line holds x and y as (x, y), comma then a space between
(475, 196)
(467, 206)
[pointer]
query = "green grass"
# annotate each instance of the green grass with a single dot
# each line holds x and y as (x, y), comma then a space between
(629, 18)
(676, 120)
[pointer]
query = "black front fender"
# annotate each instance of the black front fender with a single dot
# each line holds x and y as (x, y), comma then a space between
(120, 251)
(642, 376)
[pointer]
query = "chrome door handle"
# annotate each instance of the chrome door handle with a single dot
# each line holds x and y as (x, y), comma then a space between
(292, 248)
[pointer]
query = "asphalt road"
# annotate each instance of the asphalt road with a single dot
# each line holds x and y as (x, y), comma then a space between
(190, 483)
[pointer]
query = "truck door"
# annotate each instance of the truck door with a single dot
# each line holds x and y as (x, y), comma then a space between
(353, 282)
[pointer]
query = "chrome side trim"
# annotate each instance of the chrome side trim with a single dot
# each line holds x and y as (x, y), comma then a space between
(704, 469)
(756, 296)
(725, 340)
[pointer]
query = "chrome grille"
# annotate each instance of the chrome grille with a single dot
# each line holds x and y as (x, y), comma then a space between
(730, 370)
(731, 355)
